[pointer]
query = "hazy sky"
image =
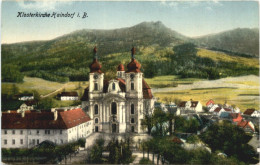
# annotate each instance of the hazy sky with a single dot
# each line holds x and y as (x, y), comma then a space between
(188, 18)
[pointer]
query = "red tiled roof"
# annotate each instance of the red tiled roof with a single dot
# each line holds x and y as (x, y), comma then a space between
(209, 102)
(244, 124)
(44, 120)
(217, 109)
(147, 93)
(249, 111)
(236, 117)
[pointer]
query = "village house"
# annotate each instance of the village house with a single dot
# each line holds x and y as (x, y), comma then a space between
(64, 96)
(190, 107)
(25, 97)
(220, 110)
(118, 105)
(30, 128)
(210, 103)
(247, 126)
(26, 106)
(252, 113)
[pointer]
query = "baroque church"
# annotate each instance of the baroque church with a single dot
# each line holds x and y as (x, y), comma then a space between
(118, 105)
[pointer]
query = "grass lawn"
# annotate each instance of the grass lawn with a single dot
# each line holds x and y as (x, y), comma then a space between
(145, 161)
(169, 81)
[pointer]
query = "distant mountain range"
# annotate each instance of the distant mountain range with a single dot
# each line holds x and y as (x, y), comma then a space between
(245, 41)
(240, 40)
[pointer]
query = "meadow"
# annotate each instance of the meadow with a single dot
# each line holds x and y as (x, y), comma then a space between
(240, 91)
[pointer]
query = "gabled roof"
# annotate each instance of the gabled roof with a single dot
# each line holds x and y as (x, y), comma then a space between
(210, 102)
(249, 111)
(227, 109)
(243, 124)
(193, 103)
(44, 119)
(68, 94)
(217, 109)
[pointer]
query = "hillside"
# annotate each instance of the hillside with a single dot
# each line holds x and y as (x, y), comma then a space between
(68, 57)
(240, 41)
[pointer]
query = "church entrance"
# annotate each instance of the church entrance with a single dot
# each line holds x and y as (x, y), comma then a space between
(113, 128)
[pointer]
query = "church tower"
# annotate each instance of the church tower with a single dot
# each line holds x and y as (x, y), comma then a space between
(134, 78)
(96, 77)
(121, 71)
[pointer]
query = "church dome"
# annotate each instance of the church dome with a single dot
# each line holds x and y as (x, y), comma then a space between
(120, 67)
(134, 66)
(95, 66)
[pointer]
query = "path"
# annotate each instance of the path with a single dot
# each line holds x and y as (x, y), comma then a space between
(139, 156)
(56, 91)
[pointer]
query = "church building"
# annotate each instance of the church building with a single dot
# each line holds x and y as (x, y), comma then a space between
(117, 105)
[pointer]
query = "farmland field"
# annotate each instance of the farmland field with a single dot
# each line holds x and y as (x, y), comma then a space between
(240, 91)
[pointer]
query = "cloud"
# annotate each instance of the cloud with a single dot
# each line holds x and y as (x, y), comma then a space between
(169, 4)
(42, 5)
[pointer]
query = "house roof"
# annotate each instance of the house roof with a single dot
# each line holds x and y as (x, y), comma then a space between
(217, 109)
(68, 94)
(193, 103)
(177, 140)
(234, 115)
(227, 109)
(30, 102)
(24, 95)
(210, 102)
(244, 124)
(147, 93)
(44, 119)
(249, 111)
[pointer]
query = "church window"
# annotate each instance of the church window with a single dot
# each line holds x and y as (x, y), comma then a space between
(96, 86)
(113, 86)
(132, 109)
(96, 129)
(96, 120)
(114, 108)
(133, 129)
(96, 109)
(132, 86)
(132, 120)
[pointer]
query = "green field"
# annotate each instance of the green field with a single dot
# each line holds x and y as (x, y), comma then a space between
(240, 91)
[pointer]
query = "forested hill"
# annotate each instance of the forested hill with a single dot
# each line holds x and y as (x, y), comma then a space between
(68, 57)
(240, 41)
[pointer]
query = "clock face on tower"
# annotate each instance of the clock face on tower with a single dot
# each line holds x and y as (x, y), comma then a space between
(132, 76)
(95, 76)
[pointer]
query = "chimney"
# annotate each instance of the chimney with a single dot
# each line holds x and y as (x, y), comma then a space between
(55, 115)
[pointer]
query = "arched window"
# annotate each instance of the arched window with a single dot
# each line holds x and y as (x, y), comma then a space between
(113, 86)
(113, 108)
(132, 109)
(96, 86)
(133, 129)
(96, 109)
(132, 120)
(96, 120)
(132, 86)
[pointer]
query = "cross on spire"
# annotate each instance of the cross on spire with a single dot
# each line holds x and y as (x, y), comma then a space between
(133, 52)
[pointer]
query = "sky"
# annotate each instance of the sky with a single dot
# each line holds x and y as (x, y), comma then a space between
(190, 18)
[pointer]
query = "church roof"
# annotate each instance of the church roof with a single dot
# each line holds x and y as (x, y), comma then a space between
(133, 66)
(120, 67)
(44, 119)
(95, 66)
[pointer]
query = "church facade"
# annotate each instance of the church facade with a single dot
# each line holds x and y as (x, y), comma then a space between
(118, 105)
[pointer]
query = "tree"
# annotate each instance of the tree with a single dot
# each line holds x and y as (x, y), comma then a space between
(231, 140)
(96, 152)
(46, 103)
(11, 73)
(160, 122)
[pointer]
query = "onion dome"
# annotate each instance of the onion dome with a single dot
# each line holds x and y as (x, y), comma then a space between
(95, 66)
(134, 65)
(121, 67)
